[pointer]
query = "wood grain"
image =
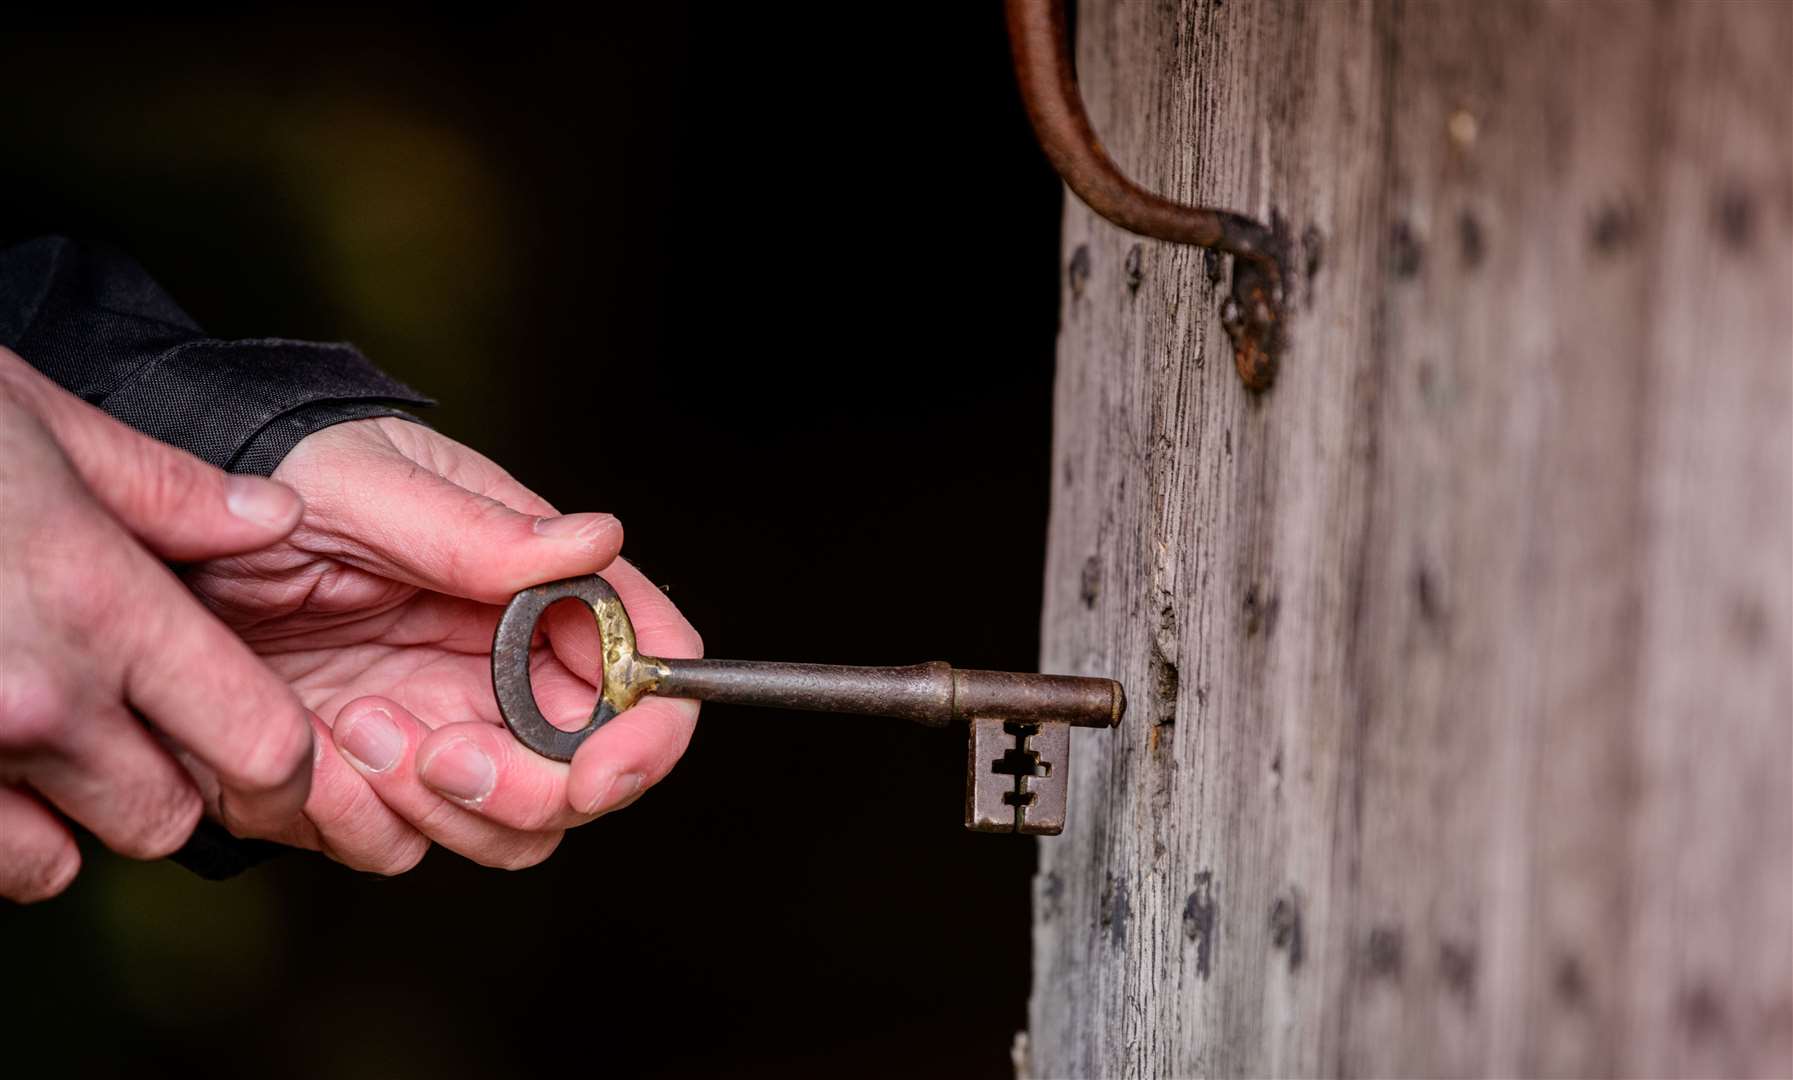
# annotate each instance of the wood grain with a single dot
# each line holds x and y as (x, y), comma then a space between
(1461, 663)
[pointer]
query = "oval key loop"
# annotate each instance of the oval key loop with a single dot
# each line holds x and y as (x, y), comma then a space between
(628, 676)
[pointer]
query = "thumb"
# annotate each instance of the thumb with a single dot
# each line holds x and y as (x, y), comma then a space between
(180, 507)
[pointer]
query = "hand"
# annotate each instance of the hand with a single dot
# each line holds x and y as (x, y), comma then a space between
(109, 669)
(379, 611)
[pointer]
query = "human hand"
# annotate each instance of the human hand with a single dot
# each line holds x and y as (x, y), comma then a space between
(97, 637)
(379, 611)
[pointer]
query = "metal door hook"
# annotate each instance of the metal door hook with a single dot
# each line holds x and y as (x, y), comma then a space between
(1042, 54)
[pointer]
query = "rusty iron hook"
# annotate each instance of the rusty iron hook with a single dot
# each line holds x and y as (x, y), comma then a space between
(1054, 104)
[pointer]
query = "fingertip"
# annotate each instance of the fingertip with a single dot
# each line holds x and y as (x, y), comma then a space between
(350, 822)
(533, 850)
(606, 790)
(263, 790)
(274, 760)
(62, 872)
(266, 504)
(374, 734)
(461, 762)
(570, 545)
(529, 551)
(51, 879)
(163, 830)
(401, 858)
(594, 534)
(630, 754)
(44, 875)
(483, 768)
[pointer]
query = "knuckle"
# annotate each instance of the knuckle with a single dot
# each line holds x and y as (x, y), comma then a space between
(160, 825)
(457, 566)
(359, 834)
(20, 383)
(467, 564)
(341, 818)
(12, 367)
(72, 571)
(538, 817)
(438, 818)
(166, 482)
(280, 750)
(48, 876)
(34, 707)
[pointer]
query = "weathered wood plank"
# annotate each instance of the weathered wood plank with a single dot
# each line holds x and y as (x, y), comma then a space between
(1462, 727)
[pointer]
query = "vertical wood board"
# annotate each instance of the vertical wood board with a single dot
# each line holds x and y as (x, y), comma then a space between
(1461, 663)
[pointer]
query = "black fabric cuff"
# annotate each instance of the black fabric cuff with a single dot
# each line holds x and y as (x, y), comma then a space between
(241, 405)
(94, 320)
(269, 446)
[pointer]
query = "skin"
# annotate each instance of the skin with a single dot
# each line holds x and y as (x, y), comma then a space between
(379, 610)
(106, 662)
(322, 678)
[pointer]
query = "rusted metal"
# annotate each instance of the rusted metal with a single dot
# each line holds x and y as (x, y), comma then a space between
(988, 794)
(627, 674)
(1042, 54)
(1018, 777)
(934, 694)
(1041, 801)
(920, 692)
(1020, 723)
(1252, 318)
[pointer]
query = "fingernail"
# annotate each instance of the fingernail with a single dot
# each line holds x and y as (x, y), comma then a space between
(621, 789)
(264, 502)
(461, 771)
(372, 740)
(584, 528)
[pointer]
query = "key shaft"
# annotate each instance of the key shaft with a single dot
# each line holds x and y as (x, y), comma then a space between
(934, 694)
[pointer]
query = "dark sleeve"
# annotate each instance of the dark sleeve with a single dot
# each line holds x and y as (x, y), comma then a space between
(92, 320)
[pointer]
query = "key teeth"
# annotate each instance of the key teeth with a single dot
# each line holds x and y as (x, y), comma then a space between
(1044, 814)
(986, 810)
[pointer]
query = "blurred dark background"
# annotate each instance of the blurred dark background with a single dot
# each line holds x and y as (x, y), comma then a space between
(801, 267)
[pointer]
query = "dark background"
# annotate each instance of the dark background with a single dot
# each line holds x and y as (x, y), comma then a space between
(779, 290)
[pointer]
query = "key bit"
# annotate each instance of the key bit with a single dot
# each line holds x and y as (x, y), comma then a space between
(1018, 777)
(1020, 742)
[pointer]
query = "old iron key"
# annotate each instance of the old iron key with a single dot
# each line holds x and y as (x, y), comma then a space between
(1020, 745)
